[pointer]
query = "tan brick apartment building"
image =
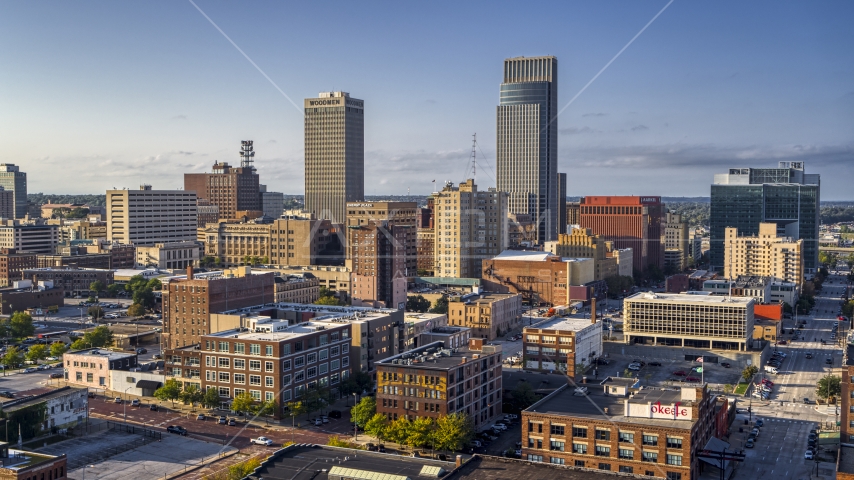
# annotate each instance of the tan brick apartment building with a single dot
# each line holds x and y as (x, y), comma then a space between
(581, 243)
(13, 263)
(188, 302)
(489, 315)
(91, 368)
(562, 344)
(303, 288)
(277, 365)
(434, 380)
(766, 255)
(619, 427)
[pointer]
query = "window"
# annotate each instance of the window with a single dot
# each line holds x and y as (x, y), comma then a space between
(626, 437)
(255, 365)
(268, 382)
(224, 362)
(255, 380)
(603, 434)
(345, 361)
(239, 391)
(604, 466)
(286, 380)
(240, 348)
(268, 350)
(324, 354)
(255, 394)
(625, 469)
(334, 351)
(286, 365)
(580, 448)
(674, 476)
(239, 364)
(556, 446)
(603, 451)
(674, 459)
(311, 357)
(535, 458)
(324, 339)
(579, 432)
(334, 379)
(650, 456)
(556, 460)
(268, 366)
(223, 347)
(334, 365)
(299, 361)
(311, 372)
(323, 368)
(345, 348)
(579, 463)
(626, 454)
(239, 378)
(224, 392)
(299, 377)
(254, 349)
(90, 377)
(557, 429)
(224, 377)
(674, 442)
(651, 440)
(530, 442)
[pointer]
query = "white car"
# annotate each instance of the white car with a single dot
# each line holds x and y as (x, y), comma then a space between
(262, 441)
(808, 455)
(634, 367)
(318, 422)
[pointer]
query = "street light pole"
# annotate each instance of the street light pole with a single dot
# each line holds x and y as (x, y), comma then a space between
(355, 425)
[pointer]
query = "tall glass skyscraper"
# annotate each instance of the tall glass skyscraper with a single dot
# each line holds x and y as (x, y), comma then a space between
(745, 197)
(334, 154)
(13, 179)
(527, 141)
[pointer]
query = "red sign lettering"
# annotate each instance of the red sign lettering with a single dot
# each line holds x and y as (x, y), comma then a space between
(674, 410)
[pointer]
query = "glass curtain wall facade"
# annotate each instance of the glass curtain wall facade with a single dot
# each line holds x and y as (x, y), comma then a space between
(527, 141)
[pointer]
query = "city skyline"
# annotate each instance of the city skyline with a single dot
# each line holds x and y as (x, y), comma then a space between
(134, 94)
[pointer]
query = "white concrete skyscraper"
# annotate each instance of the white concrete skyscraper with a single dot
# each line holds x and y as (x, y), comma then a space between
(334, 154)
(527, 141)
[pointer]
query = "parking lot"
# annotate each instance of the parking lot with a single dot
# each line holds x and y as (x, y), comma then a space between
(669, 372)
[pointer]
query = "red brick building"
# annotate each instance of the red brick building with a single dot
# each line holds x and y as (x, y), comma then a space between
(232, 189)
(629, 222)
(188, 302)
(13, 263)
(23, 465)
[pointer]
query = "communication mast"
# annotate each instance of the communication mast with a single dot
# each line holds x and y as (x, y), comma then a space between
(247, 154)
(474, 156)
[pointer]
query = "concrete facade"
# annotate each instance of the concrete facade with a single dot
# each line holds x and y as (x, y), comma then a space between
(33, 237)
(168, 256)
(766, 254)
(676, 249)
(14, 180)
(563, 344)
(91, 368)
(486, 314)
(146, 217)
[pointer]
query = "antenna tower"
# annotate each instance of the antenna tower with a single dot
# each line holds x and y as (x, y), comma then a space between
(474, 156)
(247, 154)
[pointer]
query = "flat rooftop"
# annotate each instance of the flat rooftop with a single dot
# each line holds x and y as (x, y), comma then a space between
(846, 459)
(328, 310)
(413, 317)
(564, 402)
(687, 298)
(572, 323)
(103, 353)
(307, 463)
(435, 356)
(291, 332)
(498, 468)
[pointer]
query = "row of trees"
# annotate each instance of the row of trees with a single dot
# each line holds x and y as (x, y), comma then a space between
(327, 297)
(417, 303)
(14, 356)
(447, 432)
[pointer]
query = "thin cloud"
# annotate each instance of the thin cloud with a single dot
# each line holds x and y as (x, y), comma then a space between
(594, 114)
(575, 130)
(639, 128)
(179, 117)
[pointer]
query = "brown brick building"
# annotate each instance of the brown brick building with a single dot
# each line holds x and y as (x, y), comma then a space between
(432, 380)
(846, 409)
(540, 277)
(75, 281)
(279, 365)
(630, 222)
(18, 300)
(232, 189)
(616, 426)
(188, 302)
(82, 260)
(13, 263)
(25, 465)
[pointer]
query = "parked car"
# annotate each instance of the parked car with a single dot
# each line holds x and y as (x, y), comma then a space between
(680, 373)
(749, 443)
(262, 441)
(232, 422)
(140, 351)
(692, 379)
(654, 364)
(829, 361)
(117, 400)
(318, 422)
(726, 365)
(634, 367)
(177, 429)
(759, 423)
(153, 407)
(808, 455)
(334, 414)
(56, 375)
(200, 416)
(30, 370)
(324, 419)
(135, 403)
(222, 420)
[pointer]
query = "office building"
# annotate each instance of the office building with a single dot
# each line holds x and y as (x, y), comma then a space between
(572, 213)
(296, 288)
(695, 247)
(91, 367)
(436, 380)
(33, 237)
(15, 181)
(676, 249)
(334, 154)
(526, 150)
(232, 189)
(786, 196)
(7, 204)
(381, 251)
(416, 324)
(207, 213)
(13, 263)
(561, 204)
(581, 243)
(74, 281)
(488, 315)
(146, 217)
(285, 241)
(699, 321)
(188, 302)
(629, 222)
(619, 426)
(539, 277)
(766, 254)
(470, 226)
(562, 344)
(168, 256)
(272, 203)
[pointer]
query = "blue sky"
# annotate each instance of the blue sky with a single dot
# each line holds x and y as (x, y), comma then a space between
(95, 95)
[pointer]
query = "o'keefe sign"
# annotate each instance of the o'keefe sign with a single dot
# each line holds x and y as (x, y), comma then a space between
(656, 410)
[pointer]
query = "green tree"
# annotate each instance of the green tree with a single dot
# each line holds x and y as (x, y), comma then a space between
(295, 409)
(376, 426)
(364, 382)
(37, 352)
(154, 284)
(100, 336)
(327, 301)
(13, 357)
(144, 296)
(417, 303)
(828, 386)
(440, 306)
(728, 388)
(420, 432)
(523, 396)
(21, 325)
(191, 395)
(210, 398)
(113, 290)
(363, 411)
(825, 258)
(95, 312)
(135, 283)
(243, 403)
(452, 432)
(97, 286)
(267, 408)
(348, 387)
(136, 310)
(171, 390)
(398, 430)
(748, 372)
(57, 349)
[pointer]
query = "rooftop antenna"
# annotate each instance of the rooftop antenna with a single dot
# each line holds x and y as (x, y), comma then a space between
(474, 156)
(247, 154)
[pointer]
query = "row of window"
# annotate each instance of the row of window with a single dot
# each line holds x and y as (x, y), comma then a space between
(604, 434)
(604, 466)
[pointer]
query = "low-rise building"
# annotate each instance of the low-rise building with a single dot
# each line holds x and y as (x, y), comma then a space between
(297, 288)
(489, 315)
(764, 329)
(13, 263)
(416, 324)
(74, 257)
(24, 295)
(539, 277)
(169, 256)
(138, 383)
(453, 337)
(91, 367)
(582, 243)
(784, 292)
(74, 281)
(435, 380)
(25, 465)
(564, 344)
(34, 237)
(620, 427)
(63, 409)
